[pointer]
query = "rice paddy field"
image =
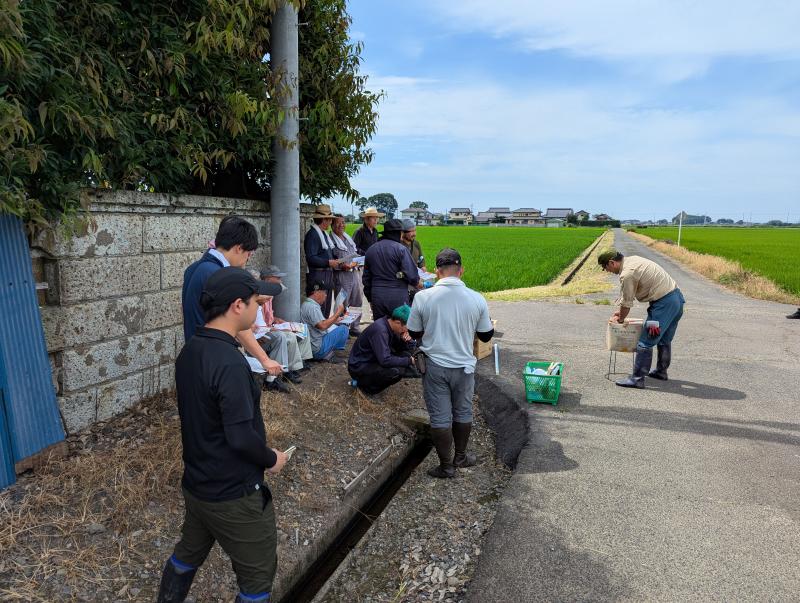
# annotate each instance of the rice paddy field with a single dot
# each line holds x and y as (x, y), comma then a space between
(771, 252)
(496, 259)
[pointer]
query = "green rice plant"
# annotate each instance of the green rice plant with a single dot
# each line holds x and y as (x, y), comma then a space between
(770, 252)
(496, 259)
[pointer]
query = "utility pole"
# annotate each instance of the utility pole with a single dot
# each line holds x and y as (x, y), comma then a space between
(285, 185)
(680, 227)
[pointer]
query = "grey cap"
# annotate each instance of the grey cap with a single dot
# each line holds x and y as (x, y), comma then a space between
(271, 270)
(408, 225)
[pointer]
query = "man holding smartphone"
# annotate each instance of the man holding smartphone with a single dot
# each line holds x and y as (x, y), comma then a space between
(225, 448)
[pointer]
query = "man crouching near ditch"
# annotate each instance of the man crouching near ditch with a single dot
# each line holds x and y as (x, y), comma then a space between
(225, 448)
(447, 317)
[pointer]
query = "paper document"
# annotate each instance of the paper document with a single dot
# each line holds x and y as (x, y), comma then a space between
(426, 276)
(298, 328)
(359, 259)
(340, 298)
(255, 365)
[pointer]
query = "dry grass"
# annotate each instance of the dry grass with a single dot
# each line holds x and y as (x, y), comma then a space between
(589, 279)
(727, 273)
(44, 534)
(123, 478)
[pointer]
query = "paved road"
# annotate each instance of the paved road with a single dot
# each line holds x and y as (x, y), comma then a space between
(689, 490)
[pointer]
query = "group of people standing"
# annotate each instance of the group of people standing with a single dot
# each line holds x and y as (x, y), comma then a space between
(227, 309)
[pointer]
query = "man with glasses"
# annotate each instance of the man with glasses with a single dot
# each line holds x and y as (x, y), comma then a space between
(234, 244)
(645, 281)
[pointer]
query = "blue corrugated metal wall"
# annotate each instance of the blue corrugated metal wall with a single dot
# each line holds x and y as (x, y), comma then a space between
(31, 419)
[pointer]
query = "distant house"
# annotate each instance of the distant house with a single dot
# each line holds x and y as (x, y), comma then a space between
(499, 212)
(602, 217)
(555, 222)
(558, 212)
(493, 215)
(581, 215)
(460, 215)
(436, 219)
(525, 216)
(421, 217)
(483, 217)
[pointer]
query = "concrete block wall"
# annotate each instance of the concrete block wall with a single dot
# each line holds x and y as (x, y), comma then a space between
(111, 311)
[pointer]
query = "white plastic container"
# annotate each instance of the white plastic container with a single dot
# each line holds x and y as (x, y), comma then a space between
(624, 337)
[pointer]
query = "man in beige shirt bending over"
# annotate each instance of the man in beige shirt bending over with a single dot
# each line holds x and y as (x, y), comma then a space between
(645, 281)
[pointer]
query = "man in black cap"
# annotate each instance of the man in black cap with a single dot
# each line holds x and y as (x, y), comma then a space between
(388, 271)
(447, 317)
(225, 449)
(645, 281)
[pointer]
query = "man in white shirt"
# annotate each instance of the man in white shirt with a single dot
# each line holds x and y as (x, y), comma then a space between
(447, 317)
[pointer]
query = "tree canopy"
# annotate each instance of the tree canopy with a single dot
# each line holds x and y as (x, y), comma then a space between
(419, 205)
(169, 97)
(384, 202)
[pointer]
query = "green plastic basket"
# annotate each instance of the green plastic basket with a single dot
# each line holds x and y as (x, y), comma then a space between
(542, 388)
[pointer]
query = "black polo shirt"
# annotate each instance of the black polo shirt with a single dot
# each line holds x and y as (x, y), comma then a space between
(216, 388)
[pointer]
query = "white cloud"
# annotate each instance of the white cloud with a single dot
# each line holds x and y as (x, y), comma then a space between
(672, 40)
(484, 143)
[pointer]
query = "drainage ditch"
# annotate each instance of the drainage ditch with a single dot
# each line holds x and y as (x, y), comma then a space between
(315, 576)
(502, 414)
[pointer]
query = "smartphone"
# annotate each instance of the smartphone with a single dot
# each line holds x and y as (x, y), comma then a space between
(290, 451)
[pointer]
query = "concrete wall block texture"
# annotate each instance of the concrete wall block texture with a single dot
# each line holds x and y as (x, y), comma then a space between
(118, 396)
(106, 234)
(96, 320)
(98, 278)
(157, 380)
(178, 233)
(89, 365)
(54, 325)
(173, 266)
(139, 202)
(162, 309)
(79, 409)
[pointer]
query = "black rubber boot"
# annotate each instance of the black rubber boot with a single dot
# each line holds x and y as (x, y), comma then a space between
(443, 442)
(641, 367)
(461, 433)
(662, 364)
(795, 315)
(175, 584)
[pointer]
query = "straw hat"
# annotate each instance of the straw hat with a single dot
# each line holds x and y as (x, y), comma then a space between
(322, 211)
(372, 212)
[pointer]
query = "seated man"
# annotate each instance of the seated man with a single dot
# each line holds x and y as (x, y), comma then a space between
(327, 335)
(380, 355)
(298, 345)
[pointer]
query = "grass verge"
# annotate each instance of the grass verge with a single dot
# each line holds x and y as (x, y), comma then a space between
(589, 279)
(728, 273)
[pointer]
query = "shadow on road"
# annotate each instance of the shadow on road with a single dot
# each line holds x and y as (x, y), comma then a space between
(681, 422)
(695, 390)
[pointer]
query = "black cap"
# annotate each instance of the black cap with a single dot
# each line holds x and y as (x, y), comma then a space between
(228, 284)
(312, 285)
(393, 225)
(448, 257)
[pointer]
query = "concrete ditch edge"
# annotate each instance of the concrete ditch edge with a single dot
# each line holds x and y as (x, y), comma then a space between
(285, 585)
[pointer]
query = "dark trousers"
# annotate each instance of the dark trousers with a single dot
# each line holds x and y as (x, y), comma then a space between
(245, 529)
(374, 378)
(384, 300)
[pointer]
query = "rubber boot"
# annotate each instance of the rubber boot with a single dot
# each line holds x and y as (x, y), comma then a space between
(795, 315)
(641, 366)
(662, 364)
(262, 598)
(176, 580)
(443, 442)
(461, 433)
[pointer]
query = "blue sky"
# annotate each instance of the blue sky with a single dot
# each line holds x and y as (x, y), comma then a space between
(637, 108)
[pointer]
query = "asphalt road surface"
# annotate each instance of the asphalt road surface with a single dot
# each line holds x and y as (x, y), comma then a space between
(686, 491)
